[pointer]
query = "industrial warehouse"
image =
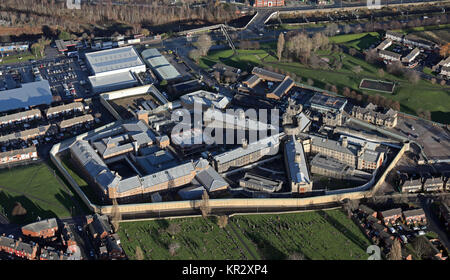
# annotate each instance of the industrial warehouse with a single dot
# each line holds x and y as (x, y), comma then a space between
(114, 69)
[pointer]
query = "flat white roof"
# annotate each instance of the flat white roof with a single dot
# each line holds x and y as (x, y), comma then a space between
(113, 59)
(112, 79)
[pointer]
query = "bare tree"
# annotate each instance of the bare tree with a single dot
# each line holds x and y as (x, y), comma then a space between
(173, 247)
(395, 68)
(222, 221)
(357, 69)
(194, 55)
(138, 255)
(371, 56)
(347, 29)
(396, 251)
(203, 44)
(116, 216)
(296, 256)
(18, 210)
(280, 46)
(204, 207)
(413, 76)
(352, 51)
(420, 246)
(173, 229)
(331, 29)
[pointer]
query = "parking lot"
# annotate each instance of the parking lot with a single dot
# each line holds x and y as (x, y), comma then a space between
(66, 77)
(434, 139)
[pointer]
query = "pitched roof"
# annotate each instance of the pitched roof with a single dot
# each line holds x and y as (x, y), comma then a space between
(211, 180)
(391, 212)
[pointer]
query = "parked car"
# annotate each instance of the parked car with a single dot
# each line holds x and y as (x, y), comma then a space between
(404, 239)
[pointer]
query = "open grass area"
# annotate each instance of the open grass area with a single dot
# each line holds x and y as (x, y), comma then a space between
(422, 95)
(39, 191)
(314, 235)
(21, 57)
(198, 238)
(359, 41)
(84, 186)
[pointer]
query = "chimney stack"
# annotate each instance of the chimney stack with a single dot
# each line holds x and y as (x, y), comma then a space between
(344, 142)
(143, 116)
(298, 158)
(244, 143)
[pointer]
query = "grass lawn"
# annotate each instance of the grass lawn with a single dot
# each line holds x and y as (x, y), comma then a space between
(38, 190)
(88, 191)
(199, 239)
(411, 96)
(316, 235)
(16, 58)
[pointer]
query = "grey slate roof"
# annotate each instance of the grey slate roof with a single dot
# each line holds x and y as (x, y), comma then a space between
(413, 212)
(166, 175)
(30, 94)
(328, 102)
(266, 146)
(211, 180)
(328, 163)
(77, 120)
(64, 108)
(21, 115)
(284, 86)
(12, 153)
(334, 145)
(390, 54)
(411, 55)
(298, 172)
(93, 164)
(206, 99)
(263, 72)
(41, 225)
(391, 212)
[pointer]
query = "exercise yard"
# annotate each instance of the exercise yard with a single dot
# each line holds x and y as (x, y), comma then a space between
(311, 235)
(374, 85)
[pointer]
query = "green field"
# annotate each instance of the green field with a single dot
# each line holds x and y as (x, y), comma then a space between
(38, 190)
(84, 186)
(422, 95)
(22, 57)
(314, 235)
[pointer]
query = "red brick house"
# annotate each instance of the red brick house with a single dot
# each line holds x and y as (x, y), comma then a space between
(390, 216)
(415, 216)
(68, 238)
(268, 3)
(98, 226)
(41, 229)
(18, 248)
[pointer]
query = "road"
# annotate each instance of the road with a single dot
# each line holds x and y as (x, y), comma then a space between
(434, 224)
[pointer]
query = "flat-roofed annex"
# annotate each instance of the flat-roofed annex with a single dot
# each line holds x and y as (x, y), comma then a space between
(123, 58)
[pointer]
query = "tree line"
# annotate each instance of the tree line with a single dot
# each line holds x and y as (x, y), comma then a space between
(157, 12)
